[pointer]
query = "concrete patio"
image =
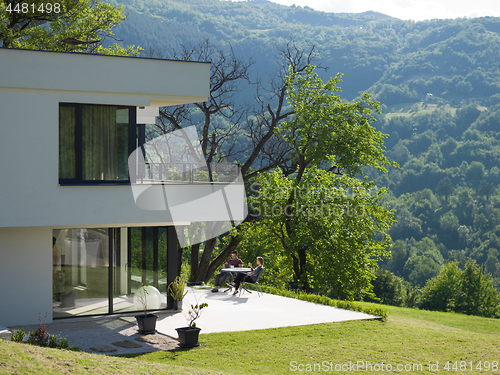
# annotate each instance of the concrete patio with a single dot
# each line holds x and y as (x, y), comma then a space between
(225, 312)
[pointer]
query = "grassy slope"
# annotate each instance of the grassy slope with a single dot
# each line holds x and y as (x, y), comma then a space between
(406, 109)
(409, 336)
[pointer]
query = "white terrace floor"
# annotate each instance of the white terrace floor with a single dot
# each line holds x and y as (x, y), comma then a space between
(224, 313)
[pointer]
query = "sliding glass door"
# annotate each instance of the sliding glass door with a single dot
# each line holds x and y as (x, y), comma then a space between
(142, 262)
(97, 270)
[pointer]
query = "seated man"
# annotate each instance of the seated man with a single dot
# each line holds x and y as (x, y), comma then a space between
(221, 277)
(250, 277)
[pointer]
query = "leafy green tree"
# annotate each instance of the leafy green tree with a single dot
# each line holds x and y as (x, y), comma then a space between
(441, 292)
(230, 133)
(463, 235)
(62, 25)
(475, 172)
(477, 295)
(420, 268)
(491, 264)
(428, 248)
(445, 187)
(406, 226)
(332, 234)
(486, 188)
(434, 155)
(400, 153)
(420, 143)
(448, 147)
(449, 225)
(465, 207)
(258, 240)
(467, 115)
(325, 131)
(389, 289)
(481, 222)
(327, 225)
(398, 258)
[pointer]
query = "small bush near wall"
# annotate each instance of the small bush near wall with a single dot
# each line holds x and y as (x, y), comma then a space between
(40, 337)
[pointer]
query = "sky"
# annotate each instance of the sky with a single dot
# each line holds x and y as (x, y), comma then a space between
(417, 10)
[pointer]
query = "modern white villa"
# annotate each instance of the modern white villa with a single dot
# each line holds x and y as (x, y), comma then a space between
(74, 240)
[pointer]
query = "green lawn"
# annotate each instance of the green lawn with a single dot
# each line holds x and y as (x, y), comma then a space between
(409, 337)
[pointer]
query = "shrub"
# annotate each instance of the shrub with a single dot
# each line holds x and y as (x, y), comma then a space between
(41, 337)
(18, 335)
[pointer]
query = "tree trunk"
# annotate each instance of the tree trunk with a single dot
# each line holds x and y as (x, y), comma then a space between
(195, 250)
(222, 257)
(299, 270)
(303, 273)
(179, 259)
(201, 274)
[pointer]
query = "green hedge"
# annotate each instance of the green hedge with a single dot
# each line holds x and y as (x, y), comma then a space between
(323, 300)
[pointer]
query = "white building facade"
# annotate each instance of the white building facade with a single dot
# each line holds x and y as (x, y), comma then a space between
(73, 242)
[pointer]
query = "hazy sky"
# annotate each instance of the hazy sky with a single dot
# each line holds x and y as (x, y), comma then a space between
(416, 10)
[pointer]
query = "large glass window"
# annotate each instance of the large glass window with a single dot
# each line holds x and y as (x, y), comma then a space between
(98, 270)
(95, 142)
(80, 278)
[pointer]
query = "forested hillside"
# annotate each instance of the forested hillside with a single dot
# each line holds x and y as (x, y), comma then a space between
(445, 193)
(439, 85)
(397, 60)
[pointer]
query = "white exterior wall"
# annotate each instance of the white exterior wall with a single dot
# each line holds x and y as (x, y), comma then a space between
(30, 194)
(25, 275)
(29, 145)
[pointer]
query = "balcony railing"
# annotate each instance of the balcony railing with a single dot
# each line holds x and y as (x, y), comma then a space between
(182, 173)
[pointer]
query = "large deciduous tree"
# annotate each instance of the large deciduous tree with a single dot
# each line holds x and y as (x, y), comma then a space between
(234, 133)
(327, 224)
(61, 25)
(326, 231)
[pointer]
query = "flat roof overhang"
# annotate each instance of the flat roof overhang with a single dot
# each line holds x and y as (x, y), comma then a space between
(163, 82)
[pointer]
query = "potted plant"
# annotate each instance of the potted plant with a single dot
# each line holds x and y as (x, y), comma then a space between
(146, 322)
(188, 336)
(176, 290)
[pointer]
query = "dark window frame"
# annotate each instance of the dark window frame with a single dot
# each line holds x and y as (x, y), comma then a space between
(78, 180)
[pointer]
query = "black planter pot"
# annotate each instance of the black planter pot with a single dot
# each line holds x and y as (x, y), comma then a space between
(188, 337)
(147, 324)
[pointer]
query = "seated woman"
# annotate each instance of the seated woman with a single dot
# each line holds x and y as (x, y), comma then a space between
(250, 277)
